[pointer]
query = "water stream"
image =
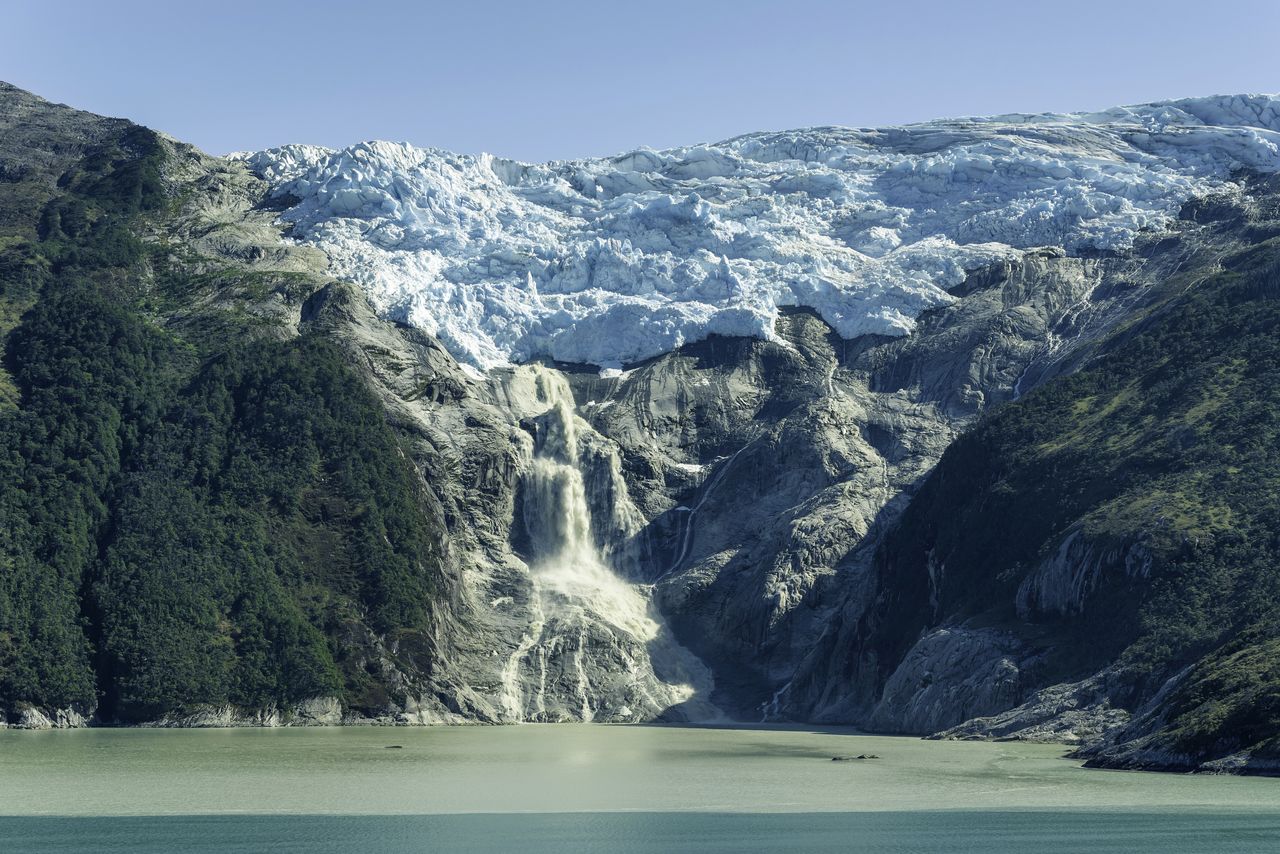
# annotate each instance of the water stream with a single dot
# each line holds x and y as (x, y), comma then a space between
(595, 648)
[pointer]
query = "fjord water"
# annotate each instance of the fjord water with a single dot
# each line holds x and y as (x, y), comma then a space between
(598, 788)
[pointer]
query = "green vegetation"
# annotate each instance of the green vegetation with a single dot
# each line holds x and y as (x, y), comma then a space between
(1231, 700)
(186, 522)
(270, 507)
(87, 375)
(1164, 448)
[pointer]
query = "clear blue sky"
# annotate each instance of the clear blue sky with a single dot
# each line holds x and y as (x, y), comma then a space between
(563, 78)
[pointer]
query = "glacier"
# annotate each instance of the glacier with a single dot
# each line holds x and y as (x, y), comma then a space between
(609, 261)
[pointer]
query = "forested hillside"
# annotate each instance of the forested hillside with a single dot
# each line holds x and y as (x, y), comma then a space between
(189, 518)
(1123, 518)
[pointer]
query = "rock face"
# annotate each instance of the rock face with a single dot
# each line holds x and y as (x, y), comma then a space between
(318, 711)
(747, 526)
(950, 674)
(542, 529)
(1076, 713)
(30, 717)
(738, 480)
(744, 484)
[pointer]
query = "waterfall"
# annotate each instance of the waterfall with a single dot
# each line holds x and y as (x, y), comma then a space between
(557, 514)
(594, 638)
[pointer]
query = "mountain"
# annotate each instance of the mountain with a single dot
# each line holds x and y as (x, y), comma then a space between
(961, 429)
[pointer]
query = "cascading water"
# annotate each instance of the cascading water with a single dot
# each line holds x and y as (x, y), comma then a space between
(595, 648)
(558, 517)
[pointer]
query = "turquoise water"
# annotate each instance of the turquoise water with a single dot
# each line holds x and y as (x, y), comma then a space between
(913, 832)
(598, 788)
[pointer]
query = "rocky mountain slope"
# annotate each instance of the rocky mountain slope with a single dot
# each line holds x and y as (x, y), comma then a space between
(962, 428)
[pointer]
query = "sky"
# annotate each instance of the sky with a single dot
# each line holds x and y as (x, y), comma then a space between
(563, 78)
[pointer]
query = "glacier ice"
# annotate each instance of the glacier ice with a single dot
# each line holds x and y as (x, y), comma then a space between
(612, 260)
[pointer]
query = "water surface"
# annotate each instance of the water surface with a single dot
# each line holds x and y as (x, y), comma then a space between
(598, 788)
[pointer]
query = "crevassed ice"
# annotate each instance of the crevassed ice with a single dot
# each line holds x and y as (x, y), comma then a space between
(613, 260)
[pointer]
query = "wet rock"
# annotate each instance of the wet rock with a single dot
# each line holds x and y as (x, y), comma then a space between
(29, 717)
(1069, 713)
